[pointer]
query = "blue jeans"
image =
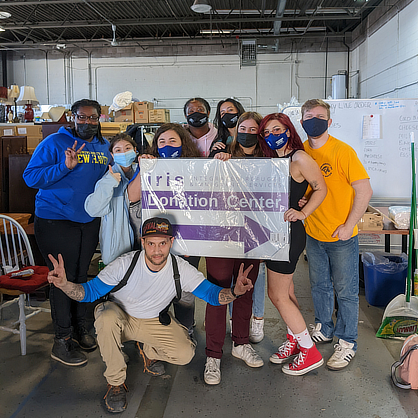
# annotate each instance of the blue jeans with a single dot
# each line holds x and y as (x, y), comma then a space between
(259, 293)
(333, 266)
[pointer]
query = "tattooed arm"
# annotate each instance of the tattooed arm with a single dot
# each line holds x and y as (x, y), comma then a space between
(59, 279)
(242, 285)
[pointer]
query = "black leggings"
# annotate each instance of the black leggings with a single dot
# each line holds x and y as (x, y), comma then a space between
(76, 242)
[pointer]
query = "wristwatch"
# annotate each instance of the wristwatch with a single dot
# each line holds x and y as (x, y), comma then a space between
(233, 293)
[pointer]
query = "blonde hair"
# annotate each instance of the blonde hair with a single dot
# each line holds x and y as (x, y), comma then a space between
(312, 103)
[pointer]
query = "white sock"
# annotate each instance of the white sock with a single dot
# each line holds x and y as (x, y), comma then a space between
(304, 339)
(289, 331)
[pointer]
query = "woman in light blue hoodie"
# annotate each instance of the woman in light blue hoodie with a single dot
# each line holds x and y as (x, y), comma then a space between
(110, 200)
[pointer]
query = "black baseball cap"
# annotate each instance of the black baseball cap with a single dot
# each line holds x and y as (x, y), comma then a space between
(157, 226)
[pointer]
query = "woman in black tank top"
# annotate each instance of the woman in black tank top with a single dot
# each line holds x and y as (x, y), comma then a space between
(280, 140)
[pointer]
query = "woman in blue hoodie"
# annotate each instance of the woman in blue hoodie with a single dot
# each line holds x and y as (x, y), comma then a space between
(65, 168)
(110, 201)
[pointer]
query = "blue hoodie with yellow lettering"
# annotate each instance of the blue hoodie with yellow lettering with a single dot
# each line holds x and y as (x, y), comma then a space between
(62, 191)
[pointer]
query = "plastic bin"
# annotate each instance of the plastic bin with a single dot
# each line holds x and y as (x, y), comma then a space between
(384, 277)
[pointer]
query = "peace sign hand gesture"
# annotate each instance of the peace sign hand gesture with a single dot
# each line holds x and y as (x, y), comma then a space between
(243, 283)
(57, 276)
(71, 155)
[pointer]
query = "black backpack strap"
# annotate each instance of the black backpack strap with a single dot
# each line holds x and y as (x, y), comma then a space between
(164, 317)
(176, 276)
(125, 279)
(397, 364)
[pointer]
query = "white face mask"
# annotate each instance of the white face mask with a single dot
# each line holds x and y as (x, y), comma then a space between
(125, 159)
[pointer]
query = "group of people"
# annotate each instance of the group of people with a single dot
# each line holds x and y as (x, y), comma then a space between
(90, 191)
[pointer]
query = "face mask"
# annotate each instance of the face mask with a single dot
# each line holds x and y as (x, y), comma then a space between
(169, 152)
(229, 120)
(247, 140)
(197, 120)
(125, 159)
(315, 127)
(277, 141)
(87, 130)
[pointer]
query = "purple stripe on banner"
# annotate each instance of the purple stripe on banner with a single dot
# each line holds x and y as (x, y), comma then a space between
(231, 201)
(252, 234)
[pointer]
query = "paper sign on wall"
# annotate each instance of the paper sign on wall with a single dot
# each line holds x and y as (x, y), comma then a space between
(230, 209)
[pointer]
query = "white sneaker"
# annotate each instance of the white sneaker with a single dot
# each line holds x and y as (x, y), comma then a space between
(212, 373)
(247, 353)
(343, 353)
(316, 334)
(256, 330)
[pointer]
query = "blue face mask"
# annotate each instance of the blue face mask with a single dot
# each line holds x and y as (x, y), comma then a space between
(169, 152)
(125, 159)
(315, 127)
(277, 141)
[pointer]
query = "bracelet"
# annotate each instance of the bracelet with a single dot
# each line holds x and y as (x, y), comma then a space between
(304, 214)
(233, 293)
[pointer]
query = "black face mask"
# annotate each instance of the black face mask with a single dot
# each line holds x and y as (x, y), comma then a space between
(315, 127)
(230, 120)
(247, 140)
(87, 130)
(197, 119)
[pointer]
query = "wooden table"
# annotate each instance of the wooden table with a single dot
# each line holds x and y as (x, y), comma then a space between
(388, 230)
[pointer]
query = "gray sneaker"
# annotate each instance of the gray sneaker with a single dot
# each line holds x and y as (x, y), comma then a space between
(246, 353)
(316, 334)
(212, 374)
(256, 330)
(343, 353)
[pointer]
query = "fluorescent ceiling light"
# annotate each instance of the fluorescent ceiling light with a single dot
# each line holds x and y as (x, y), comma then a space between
(4, 15)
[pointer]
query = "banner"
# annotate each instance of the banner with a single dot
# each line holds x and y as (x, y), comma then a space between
(231, 209)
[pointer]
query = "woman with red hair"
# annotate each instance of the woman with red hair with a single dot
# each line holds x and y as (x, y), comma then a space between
(279, 139)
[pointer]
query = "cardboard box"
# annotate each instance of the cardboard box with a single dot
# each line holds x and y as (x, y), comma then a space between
(159, 116)
(141, 111)
(136, 112)
(8, 131)
(31, 131)
(372, 220)
(126, 114)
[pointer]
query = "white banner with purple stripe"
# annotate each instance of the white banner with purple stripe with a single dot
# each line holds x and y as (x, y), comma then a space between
(231, 209)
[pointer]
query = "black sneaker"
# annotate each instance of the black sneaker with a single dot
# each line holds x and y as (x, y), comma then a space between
(84, 339)
(151, 367)
(65, 351)
(115, 398)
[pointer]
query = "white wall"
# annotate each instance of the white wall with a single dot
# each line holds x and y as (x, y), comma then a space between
(172, 80)
(387, 60)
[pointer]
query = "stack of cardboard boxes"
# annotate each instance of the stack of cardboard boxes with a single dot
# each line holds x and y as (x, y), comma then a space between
(142, 112)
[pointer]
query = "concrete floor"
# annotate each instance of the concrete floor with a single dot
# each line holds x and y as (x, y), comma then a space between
(37, 386)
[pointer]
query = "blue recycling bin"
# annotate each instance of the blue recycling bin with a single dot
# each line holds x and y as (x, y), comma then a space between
(384, 276)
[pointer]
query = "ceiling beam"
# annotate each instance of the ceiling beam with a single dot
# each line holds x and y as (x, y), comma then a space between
(174, 22)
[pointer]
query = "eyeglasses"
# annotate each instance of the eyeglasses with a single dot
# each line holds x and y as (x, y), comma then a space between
(83, 118)
(274, 131)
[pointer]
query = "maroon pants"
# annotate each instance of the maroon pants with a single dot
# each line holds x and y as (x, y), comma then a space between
(221, 271)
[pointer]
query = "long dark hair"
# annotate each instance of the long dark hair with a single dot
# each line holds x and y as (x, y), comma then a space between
(223, 132)
(236, 150)
(294, 142)
(188, 147)
(88, 103)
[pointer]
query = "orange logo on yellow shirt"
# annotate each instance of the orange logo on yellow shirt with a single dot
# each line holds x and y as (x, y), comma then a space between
(326, 169)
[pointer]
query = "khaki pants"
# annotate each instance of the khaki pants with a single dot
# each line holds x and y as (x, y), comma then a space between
(169, 343)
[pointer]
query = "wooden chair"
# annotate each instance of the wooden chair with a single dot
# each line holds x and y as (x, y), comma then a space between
(16, 253)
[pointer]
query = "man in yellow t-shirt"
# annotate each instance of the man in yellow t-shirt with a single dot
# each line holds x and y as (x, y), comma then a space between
(332, 241)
